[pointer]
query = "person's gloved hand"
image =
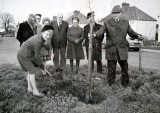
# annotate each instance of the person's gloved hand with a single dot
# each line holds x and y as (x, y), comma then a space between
(47, 46)
(47, 43)
(140, 37)
(93, 35)
(83, 43)
(44, 72)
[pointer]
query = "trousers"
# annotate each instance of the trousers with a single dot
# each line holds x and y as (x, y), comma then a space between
(112, 71)
(59, 59)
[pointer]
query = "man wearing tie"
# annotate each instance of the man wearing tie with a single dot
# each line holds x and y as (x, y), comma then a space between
(59, 42)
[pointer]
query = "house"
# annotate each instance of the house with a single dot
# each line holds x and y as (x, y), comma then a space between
(82, 18)
(158, 29)
(139, 20)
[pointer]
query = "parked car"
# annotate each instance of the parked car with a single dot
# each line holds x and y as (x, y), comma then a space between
(134, 43)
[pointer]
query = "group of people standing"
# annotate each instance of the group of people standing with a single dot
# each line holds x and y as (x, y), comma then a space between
(37, 42)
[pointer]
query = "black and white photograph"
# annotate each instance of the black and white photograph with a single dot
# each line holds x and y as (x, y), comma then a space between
(79, 56)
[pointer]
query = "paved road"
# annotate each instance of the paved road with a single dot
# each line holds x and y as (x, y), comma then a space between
(10, 46)
(150, 59)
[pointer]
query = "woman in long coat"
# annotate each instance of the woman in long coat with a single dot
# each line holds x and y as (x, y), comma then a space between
(75, 38)
(29, 57)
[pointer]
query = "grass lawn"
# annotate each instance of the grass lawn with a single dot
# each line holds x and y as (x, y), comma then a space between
(8, 48)
(68, 95)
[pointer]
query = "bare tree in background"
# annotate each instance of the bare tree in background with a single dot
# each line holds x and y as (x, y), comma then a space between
(7, 22)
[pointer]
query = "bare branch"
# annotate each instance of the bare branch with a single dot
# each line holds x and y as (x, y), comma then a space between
(89, 5)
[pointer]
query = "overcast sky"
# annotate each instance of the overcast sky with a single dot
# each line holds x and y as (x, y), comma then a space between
(20, 9)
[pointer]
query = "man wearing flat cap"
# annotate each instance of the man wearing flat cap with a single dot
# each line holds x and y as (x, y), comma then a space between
(116, 30)
(96, 43)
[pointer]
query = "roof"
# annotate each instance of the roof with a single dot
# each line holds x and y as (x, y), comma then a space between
(132, 13)
(82, 18)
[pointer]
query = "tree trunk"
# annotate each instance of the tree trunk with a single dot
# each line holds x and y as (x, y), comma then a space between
(90, 49)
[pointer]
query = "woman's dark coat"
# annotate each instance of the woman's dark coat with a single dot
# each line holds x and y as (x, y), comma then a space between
(75, 51)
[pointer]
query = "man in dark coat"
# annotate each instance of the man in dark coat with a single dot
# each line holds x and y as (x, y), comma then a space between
(96, 44)
(116, 30)
(26, 29)
(59, 42)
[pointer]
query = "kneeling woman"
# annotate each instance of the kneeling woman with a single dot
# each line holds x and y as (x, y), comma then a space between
(29, 57)
(75, 38)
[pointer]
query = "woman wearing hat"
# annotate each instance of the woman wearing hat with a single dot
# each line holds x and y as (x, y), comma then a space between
(74, 48)
(29, 57)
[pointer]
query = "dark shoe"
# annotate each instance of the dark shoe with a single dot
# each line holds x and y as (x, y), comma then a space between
(57, 70)
(100, 72)
(124, 84)
(110, 82)
(60, 70)
(124, 81)
(71, 69)
(77, 69)
(60, 77)
(76, 72)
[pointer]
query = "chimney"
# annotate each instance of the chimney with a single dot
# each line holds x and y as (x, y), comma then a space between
(76, 13)
(125, 6)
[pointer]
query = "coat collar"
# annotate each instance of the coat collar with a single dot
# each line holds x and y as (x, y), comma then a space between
(40, 36)
(95, 25)
(58, 22)
(72, 27)
(58, 25)
(114, 23)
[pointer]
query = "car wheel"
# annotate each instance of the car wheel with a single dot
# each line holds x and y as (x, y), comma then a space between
(137, 49)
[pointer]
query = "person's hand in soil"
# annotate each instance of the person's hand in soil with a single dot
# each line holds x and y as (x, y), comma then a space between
(44, 72)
